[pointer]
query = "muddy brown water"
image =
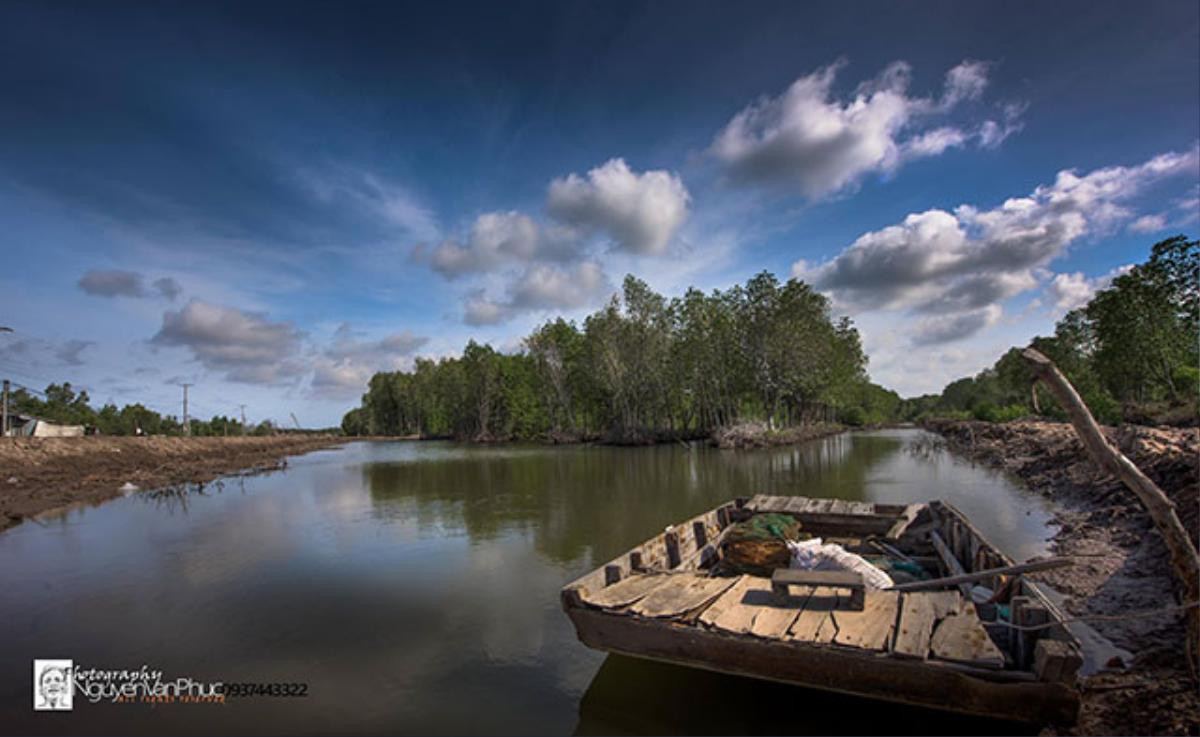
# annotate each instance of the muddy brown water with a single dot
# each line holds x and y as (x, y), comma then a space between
(413, 587)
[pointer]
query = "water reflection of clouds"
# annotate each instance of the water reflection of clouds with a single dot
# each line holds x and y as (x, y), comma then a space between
(507, 575)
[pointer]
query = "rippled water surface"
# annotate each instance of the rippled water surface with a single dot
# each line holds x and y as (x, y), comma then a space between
(414, 588)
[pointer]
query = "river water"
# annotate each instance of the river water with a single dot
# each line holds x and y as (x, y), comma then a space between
(413, 587)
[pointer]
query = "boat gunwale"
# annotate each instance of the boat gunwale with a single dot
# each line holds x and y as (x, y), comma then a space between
(1043, 700)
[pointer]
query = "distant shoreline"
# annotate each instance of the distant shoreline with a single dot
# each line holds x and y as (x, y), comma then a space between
(45, 474)
(745, 436)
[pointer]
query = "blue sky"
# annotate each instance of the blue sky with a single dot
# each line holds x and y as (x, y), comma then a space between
(274, 201)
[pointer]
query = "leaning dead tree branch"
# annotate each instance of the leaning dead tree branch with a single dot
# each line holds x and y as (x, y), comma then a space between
(1184, 560)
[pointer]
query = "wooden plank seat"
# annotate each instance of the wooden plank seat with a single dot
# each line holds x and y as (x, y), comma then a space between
(783, 578)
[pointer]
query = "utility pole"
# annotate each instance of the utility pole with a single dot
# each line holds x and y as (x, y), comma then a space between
(187, 425)
(243, 408)
(4, 411)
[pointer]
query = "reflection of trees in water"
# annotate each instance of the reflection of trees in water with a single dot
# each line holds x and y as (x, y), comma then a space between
(175, 498)
(926, 447)
(633, 696)
(604, 499)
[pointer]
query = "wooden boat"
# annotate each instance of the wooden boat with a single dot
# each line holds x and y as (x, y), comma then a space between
(666, 600)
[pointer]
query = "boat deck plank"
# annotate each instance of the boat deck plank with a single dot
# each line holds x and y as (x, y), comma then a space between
(918, 612)
(626, 591)
(680, 594)
(728, 612)
(961, 638)
(944, 603)
(871, 628)
(774, 618)
(750, 607)
(815, 623)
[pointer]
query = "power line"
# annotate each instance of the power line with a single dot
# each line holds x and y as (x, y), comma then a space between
(24, 375)
(31, 390)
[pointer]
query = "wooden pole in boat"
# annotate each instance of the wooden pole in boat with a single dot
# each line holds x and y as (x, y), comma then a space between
(1184, 560)
(961, 578)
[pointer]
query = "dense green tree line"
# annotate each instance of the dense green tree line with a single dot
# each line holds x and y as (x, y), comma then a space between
(61, 404)
(1133, 352)
(642, 367)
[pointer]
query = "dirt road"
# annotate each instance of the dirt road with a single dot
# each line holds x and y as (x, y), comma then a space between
(39, 474)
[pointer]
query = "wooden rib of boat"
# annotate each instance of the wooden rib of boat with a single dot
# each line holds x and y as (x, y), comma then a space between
(664, 600)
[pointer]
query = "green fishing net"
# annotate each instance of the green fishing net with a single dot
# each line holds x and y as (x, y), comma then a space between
(757, 546)
(768, 527)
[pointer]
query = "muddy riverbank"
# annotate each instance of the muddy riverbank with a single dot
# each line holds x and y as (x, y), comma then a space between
(40, 474)
(1122, 563)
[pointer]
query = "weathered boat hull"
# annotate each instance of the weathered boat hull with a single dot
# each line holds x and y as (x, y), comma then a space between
(831, 669)
(1018, 692)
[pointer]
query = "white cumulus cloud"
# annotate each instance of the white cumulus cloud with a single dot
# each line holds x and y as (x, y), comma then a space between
(542, 287)
(952, 327)
(640, 212)
(1073, 290)
(808, 140)
(963, 262)
(496, 238)
(244, 346)
(347, 364)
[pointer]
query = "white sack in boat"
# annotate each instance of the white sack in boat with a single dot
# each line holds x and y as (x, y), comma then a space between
(814, 555)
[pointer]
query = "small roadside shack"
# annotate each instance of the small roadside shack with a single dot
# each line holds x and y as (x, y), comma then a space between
(28, 426)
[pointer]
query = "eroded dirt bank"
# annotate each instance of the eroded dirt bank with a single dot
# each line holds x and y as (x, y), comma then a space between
(40, 474)
(1122, 564)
